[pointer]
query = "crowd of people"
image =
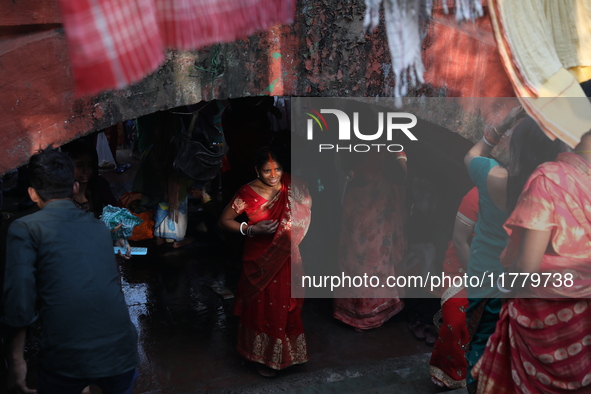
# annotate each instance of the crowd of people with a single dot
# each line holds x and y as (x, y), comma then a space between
(531, 216)
(520, 336)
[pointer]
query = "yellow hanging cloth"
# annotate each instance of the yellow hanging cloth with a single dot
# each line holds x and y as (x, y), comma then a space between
(545, 46)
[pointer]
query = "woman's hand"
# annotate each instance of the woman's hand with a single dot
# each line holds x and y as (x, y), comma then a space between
(265, 227)
(512, 117)
(122, 242)
(484, 146)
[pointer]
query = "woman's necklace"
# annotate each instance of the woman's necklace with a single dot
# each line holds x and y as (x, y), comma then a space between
(78, 200)
(85, 206)
(271, 191)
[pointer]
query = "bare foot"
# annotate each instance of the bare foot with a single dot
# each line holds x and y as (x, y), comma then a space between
(186, 241)
(159, 241)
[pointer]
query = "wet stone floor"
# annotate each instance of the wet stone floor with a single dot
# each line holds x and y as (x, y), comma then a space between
(187, 332)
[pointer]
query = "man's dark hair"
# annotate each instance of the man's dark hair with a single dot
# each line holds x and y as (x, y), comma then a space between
(51, 174)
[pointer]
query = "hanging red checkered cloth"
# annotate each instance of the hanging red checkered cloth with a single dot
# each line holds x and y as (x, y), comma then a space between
(113, 43)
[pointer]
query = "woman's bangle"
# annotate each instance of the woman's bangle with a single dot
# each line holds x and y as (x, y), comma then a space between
(497, 132)
(242, 224)
(249, 231)
(401, 155)
(489, 140)
(492, 138)
(500, 287)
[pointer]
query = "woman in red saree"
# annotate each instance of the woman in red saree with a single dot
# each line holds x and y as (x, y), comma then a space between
(270, 332)
(448, 361)
(542, 344)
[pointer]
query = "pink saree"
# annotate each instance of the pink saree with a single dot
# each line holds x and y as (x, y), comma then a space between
(543, 344)
(372, 242)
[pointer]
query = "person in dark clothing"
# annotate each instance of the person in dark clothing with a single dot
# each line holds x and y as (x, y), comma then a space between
(94, 192)
(60, 268)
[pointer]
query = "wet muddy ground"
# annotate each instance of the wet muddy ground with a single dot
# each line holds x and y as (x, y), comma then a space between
(187, 332)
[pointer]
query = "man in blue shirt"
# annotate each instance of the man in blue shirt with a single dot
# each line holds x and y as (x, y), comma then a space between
(60, 268)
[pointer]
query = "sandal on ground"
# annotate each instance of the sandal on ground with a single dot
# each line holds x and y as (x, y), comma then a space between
(186, 241)
(357, 329)
(418, 330)
(437, 382)
(430, 335)
(265, 371)
(4, 216)
(121, 168)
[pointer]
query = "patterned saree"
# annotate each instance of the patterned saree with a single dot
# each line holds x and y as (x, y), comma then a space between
(271, 330)
(542, 344)
(448, 361)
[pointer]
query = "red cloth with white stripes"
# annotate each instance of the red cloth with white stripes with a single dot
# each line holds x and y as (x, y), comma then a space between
(113, 43)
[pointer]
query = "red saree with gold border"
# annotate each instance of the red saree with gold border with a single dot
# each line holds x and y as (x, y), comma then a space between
(271, 330)
(448, 361)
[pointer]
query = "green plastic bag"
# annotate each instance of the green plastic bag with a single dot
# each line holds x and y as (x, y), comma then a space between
(113, 217)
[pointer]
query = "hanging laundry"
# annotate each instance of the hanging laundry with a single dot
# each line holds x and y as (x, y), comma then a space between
(545, 46)
(404, 19)
(113, 43)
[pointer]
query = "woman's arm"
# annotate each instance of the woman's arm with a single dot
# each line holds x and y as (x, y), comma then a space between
(461, 238)
(394, 167)
(492, 137)
(532, 248)
(227, 222)
(401, 161)
(480, 149)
